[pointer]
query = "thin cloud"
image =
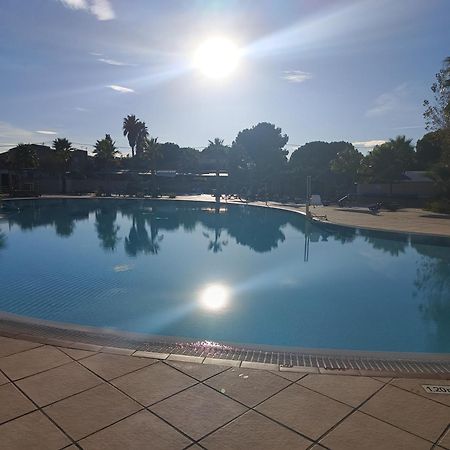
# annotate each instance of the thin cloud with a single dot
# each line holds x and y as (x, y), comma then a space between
(46, 132)
(79, 108)
(296, 76)
(113, 62)
(409, 127)
(369, 144)
(101, 9)
(389, 101)
(123, 89)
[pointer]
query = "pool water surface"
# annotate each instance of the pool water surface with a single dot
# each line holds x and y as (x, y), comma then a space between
(237, 273)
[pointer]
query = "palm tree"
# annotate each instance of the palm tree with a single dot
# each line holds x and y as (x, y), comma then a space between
(23, 156)
(217, 152)
(105, 150)
(62, 149)
(131, 127)
(142, 135)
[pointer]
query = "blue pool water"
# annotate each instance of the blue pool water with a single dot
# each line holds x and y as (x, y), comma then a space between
(240, 274)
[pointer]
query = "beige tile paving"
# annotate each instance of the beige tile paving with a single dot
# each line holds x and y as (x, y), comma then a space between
(198, 371)
(445, 440)
(13, 403)
(415, 385)
(139, 431)
(33, 431)
(409, 411)
(32, 361)
(352, 390)
(360, 431)
(76, 353)
(305, 411)
(110, 366)
(58, 383)
(3, 379)
(248, 386)
(153, 383)
(9, 346)
(254, 431)
(292, 376)
(198, 410)
(89, 411)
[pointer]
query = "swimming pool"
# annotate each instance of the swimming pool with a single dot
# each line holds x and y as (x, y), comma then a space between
(239, 274)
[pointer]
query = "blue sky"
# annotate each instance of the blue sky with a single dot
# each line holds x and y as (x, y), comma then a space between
(321, 70)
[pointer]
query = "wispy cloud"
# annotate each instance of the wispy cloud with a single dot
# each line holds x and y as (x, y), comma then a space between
(46, 132)
(80, 109)
(114, 62)
(408, 127)
(101, 9)
(296, 76)
(368, 144)
(389, 101)
(123, 89)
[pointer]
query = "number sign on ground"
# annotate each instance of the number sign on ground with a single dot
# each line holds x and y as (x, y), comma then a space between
(434, 389)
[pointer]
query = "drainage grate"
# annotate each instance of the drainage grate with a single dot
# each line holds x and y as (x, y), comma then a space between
(57, 335)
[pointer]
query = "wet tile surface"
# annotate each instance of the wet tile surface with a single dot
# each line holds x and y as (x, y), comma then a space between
(409, 411)
(139, 431)
(305, 411)
(33, 431)
(254, 431)
(198, 410)
(248, 386)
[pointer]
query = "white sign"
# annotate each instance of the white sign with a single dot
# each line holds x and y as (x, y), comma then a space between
(433, 389)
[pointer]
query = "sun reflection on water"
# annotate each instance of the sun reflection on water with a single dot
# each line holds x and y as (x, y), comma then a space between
(214, 297)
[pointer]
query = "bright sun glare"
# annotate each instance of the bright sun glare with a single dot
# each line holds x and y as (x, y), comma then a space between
(217, 57)
(214, 297)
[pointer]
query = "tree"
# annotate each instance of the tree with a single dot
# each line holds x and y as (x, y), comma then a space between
(264, 145)
(142, 135)
(315, 159)
(105, 150)
(215, 156)
(132, 129)
(387, 162)
(437, 112)
(150, 154)
(347, 162)
(62, 149)
(23, 156)
(260, 153)
(429, 149)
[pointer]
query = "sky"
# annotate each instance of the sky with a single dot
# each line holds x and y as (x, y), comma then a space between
(326, 70)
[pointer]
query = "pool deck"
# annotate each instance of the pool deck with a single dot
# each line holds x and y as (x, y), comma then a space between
(56, 394)
(91, 397)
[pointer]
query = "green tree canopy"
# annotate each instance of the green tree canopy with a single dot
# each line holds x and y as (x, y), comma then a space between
(62, 147)
(347, 162)
(263, 145)
(105, 150)
(136, 131)
(387, 162)
(23, 156)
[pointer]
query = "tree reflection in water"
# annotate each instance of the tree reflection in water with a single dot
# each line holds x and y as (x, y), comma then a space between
(433, 284)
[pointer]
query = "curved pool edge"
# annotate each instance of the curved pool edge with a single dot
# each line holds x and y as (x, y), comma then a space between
(325, 361)
(279, 207)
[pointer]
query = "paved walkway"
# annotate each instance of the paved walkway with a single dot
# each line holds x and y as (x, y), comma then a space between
(90, 398)
(409, 220)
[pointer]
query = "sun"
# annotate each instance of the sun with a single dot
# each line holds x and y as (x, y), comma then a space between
(217, 57)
